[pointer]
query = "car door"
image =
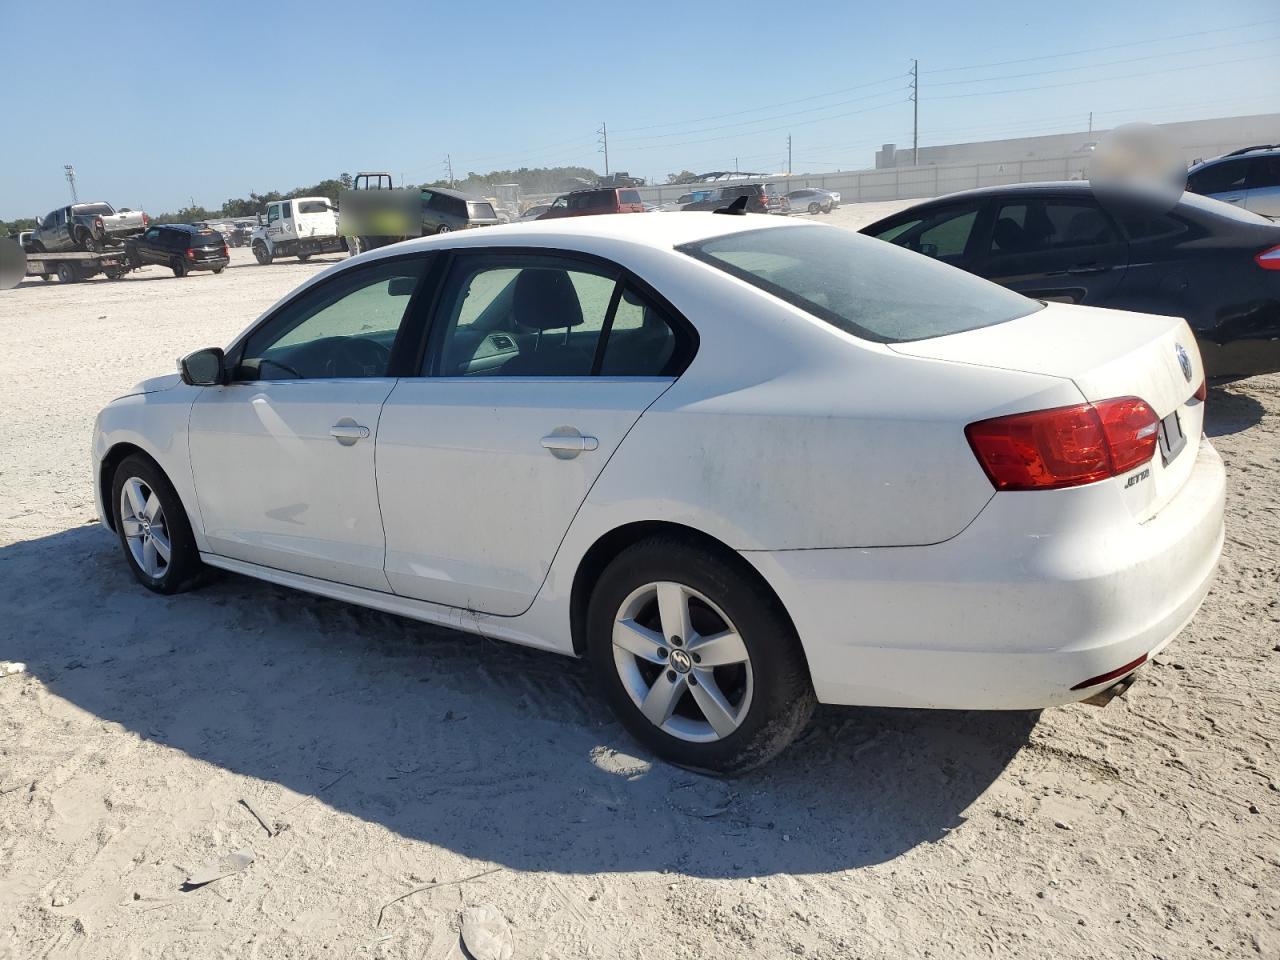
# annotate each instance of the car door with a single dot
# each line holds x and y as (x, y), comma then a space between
(275, 230)
(1264, 185)
(283, 454)
(1059, 248)
(538, 366)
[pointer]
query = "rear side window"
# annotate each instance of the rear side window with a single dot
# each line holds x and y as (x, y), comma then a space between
(870, 289)
(1036, 226)
(1265, 171)
(941, 233)
(1220, 177)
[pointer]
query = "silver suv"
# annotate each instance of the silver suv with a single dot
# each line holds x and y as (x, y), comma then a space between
(1248, 178)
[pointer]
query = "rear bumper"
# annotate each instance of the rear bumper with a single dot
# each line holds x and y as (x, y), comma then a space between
(1014, 611)
(211, 264)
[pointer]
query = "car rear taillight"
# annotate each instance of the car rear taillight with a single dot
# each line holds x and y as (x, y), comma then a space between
(97, 222)
(1202, 391)
(1269, 259)
(1065, 446)
(145, 220)
(191, 253)
(225, 252)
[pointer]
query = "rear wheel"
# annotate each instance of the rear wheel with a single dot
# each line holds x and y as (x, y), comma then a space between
(304, 257)
(179, 267)
(153, 527)
(261, 253)
(443, 228)
(89, 243)
(699, 663)
(67, 273)
(218, 269)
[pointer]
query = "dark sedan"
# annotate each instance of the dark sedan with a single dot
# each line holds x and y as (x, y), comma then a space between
(181, 247)
(1213, 264)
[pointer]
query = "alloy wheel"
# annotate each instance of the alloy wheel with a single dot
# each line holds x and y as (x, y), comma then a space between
(145, 530)
(682, 662)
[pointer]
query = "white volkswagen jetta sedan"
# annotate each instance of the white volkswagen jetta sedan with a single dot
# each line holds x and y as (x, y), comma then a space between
(741, 464)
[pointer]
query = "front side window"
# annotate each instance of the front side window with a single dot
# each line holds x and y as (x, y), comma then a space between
(860, 285)
(341, 329)
(942, 233)
(273, 213)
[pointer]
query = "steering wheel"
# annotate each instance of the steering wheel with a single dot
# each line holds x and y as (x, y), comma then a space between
(356, 357)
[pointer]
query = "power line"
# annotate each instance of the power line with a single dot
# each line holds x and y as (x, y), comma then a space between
(1126, 76)
(1108, 63)
(762, 106)
(1113, 46)
(915, 113)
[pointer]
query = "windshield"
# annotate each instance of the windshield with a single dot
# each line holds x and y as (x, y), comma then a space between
(313, 206)
(862, 286)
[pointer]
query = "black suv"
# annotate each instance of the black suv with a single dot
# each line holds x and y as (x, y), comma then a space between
(179, 246)
(761, 198)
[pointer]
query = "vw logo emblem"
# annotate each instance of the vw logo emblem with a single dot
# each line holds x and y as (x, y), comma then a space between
(680, 660)
(1184, 361)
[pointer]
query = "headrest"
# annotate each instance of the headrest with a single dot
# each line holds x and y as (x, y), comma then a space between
(546, 300)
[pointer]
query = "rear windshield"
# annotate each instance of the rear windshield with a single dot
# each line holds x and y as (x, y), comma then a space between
(206, 238)
(94, 209)
(629, 196)
(863, 286)
(312, 206)
(479, 210)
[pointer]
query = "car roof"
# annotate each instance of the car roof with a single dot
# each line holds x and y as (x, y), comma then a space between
(661, 231)
(1261, 149)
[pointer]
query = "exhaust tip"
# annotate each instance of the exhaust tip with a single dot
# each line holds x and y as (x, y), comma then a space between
(1111, 674)
(1102, 698)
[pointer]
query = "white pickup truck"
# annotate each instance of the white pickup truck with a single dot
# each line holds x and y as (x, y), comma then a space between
(300, 228)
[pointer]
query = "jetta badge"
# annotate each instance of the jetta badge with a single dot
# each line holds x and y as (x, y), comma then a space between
(1184, 361)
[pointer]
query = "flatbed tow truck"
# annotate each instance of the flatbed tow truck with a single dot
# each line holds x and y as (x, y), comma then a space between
(73, 266)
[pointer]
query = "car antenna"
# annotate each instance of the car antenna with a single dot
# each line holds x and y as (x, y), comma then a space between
(736, 209)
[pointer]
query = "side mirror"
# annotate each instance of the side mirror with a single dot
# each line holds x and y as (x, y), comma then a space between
(204, 368)
(39, 221)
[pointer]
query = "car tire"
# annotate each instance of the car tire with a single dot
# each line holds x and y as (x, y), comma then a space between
(149, 518)
(219, 269)
(443, 228)
(827, 209)
(46, 277)
(723, 717)
(814, 208)
(89, 243)
(304, 257)
(262, 254)
(178, 266)
(67, 273)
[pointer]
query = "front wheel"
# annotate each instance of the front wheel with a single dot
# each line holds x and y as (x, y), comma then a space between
(261, 253)
(304, 257)
(443, 228)
(699, 662)
(67, 273)
(153, 527)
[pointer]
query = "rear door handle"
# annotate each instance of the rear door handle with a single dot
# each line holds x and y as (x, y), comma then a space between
(346, 431)
(1084, 268)
(566, 446)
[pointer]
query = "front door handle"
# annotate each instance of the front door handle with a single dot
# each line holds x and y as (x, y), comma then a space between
(346, 431)
(1086, 268)
(566, 445)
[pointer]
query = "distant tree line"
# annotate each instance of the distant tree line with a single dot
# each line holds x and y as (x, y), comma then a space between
(530, 179)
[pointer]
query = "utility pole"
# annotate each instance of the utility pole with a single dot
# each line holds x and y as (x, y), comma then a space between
(735, 165)
(604, 144)
(788, 154)
(915, 113)
(71, 179)
(1091, 121)
(448, 166)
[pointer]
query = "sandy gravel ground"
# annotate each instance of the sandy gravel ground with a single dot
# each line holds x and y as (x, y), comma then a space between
(149, 735)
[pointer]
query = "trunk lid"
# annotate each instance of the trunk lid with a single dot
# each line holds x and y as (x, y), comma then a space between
(1106, 354)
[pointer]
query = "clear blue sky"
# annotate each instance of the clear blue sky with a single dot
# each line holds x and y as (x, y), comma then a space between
(156, 104)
